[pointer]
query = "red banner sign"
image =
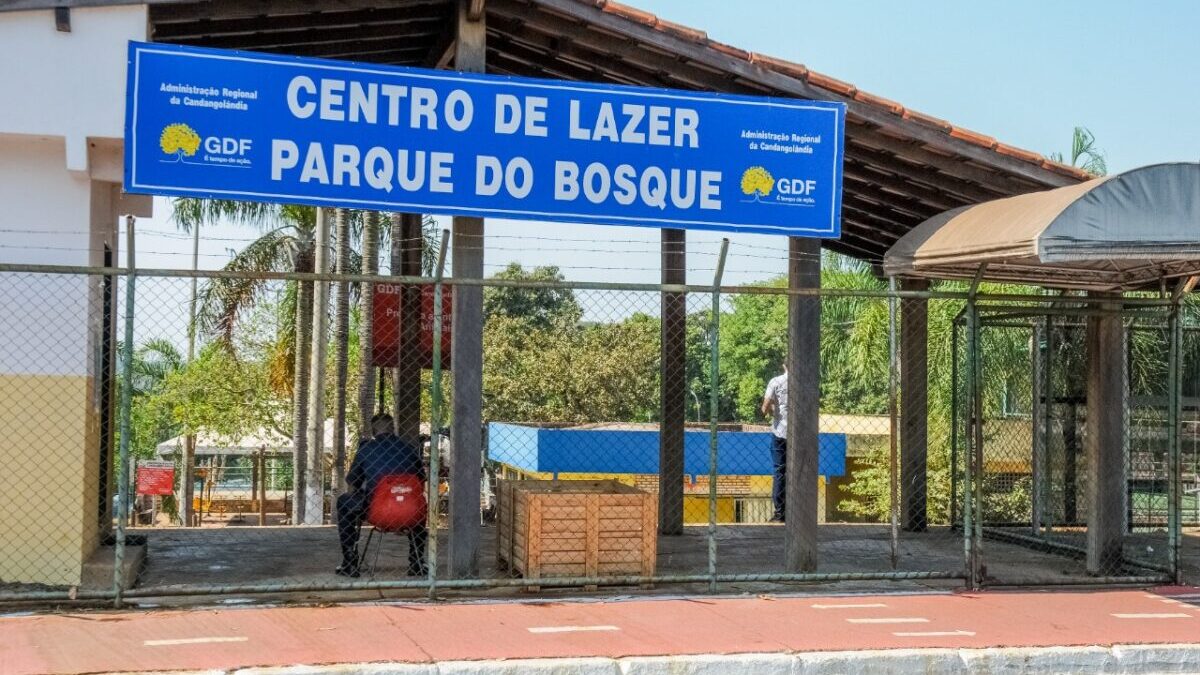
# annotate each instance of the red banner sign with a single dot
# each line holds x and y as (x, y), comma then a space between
(388, 328)
(155, 478)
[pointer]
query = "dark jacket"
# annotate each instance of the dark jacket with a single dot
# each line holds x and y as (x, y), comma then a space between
(381, 456)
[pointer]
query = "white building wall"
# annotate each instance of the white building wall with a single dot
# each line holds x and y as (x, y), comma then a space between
(61, 125)
(68, 85)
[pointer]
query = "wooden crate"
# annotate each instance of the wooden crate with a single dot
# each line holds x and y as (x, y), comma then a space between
(576, 529)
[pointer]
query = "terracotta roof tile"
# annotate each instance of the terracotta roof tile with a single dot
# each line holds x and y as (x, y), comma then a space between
(974, 137)
(879, 101)
(1066, 170)
(928, 120)
(1028, 156)
(832, 84)
(682, 31)
(789, 68)
(631, 13)
(736, 53)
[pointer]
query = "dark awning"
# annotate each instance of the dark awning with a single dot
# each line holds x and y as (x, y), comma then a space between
(1124, 231)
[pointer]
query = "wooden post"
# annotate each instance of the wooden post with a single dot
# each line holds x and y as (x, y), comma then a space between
(914, 407)
(466, 436)
(406, 387)
(673, 384)
(803, 415)
(1105, 440)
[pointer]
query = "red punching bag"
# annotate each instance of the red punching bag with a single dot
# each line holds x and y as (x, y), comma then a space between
(398, 503)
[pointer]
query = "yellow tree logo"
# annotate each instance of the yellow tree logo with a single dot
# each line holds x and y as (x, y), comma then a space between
(179, 140)
(758, 182)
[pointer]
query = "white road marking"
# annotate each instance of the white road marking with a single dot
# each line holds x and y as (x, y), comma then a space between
(1153, 616)
(862, 605)
(539, 630)
(193, 641)
(891, 619)
(937, 633)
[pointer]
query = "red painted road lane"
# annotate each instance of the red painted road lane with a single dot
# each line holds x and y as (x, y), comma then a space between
(233, 637)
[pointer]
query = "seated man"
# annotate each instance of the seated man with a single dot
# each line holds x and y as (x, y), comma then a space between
(384, 454)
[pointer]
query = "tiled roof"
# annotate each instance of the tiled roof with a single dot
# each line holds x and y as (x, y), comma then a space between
(839, 89)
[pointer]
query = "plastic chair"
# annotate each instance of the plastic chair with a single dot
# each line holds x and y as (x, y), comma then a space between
(397, 505)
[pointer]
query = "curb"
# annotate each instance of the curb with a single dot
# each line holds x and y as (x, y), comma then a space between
(1138, 659)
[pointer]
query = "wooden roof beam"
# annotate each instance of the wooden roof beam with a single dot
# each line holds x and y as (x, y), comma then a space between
(528, 24)
(940, 201)
(853, 244)
(902, 203)
(441, 55)
(166, 31)
(869, 216)
(988, 178)
(226, 10)
(884, 163)
(376, 51)
(398, 31)
(546, 48)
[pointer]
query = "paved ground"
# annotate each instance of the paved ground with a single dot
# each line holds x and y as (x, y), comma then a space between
(229, 638)
(306, 556)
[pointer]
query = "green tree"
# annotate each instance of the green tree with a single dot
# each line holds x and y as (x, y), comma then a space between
(285, 245)
(154, 363)
(566, 372)
(1084, 153)
(538, 307)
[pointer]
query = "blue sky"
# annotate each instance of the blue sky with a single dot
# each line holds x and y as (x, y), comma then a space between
(1024, 71)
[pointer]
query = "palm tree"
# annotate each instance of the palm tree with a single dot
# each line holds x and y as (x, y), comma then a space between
(341, 339)
(153, 362)
(286, 244)
(366, 336)
(1083, 148)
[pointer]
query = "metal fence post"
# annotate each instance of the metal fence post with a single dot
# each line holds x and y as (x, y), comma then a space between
(1044, 524)
(126, 403)
(893, 415)
(435, 420)
(714, 412)
(970, 513)
(954, 430)
(972, 484)
(1174, 468)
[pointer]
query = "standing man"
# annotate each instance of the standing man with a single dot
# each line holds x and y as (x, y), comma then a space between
(385, 454)
(775, 406)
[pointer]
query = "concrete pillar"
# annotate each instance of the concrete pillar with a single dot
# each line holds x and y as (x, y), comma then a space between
(804, 394)
(466, 438)
(406, 385)
(1107, 385)
(914, 408)
(673, 384)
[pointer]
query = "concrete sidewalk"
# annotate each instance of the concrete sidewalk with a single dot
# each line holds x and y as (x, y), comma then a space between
(1032, 631)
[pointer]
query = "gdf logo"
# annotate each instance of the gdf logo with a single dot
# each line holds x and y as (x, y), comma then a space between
(795, 186)
(181, 143)
(229, 147)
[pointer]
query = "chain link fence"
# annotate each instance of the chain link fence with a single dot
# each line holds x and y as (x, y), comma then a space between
(632, 435)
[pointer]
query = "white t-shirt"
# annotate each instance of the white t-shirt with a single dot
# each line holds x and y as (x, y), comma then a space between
(777, 392)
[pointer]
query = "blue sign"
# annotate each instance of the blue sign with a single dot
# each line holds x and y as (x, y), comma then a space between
(623, 451)
(261, 127)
